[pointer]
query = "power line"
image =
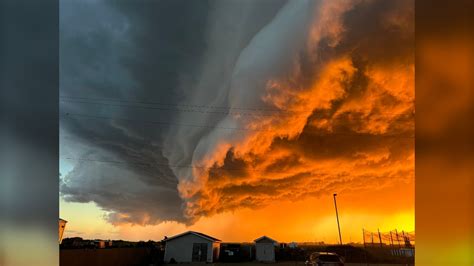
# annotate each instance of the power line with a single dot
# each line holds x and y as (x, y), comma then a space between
(156, 122)
(215, 168)
(286, 113)
(120, 163)
(175, 104)
(247, 113)
(249, 110)
(160, 123)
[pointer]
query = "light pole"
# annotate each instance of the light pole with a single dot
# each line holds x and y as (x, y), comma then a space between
(337, 218)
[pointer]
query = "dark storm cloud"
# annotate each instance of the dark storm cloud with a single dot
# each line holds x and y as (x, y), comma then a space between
(381, 31)
(234, 169)
(170, 39)
(126, 194)
(138, 51)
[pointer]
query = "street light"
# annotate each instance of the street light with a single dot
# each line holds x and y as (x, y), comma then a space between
(337, 218)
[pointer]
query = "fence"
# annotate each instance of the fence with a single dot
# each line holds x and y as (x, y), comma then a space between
(394, 238)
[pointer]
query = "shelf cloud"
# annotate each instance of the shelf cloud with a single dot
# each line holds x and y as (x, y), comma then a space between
(174, 111)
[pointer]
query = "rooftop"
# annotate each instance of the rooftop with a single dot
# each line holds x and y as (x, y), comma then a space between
(208, 237)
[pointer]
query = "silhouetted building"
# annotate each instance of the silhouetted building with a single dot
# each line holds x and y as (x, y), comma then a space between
(99, 243)
(122, 244)
(77, 242)
(191, 246)
(265, 249)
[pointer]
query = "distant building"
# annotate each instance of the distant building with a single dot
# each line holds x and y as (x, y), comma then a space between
(191, 246)
(62, 226)
(99, 243)
(265, 249)
(292, 245)
(122, 244)
(75, 242)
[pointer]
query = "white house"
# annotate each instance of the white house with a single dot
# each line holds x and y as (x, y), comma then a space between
(265, 249)
(192, 246)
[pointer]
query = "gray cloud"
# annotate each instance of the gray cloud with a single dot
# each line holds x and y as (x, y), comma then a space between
(131, 51)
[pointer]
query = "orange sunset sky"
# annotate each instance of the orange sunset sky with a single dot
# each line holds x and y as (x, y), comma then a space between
(273, 116)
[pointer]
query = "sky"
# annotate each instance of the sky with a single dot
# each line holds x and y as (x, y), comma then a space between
(236, 118)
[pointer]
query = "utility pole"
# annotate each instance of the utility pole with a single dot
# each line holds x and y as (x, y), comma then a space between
(398, 240)
(337, 218)
(393, 249)
(391, 239)
(406, 241)
(380, 237)
(365, 248)
(363, 236)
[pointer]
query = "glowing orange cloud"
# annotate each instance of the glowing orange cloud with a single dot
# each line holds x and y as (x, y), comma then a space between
(337, 124)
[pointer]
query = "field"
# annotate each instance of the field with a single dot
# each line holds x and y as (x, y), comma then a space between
(152, 257)
(297, 263)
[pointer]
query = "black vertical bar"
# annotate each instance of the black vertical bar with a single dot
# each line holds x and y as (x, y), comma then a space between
(337, 218)
(380, 237)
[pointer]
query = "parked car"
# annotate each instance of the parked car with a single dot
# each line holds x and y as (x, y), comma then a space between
(324, 258)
